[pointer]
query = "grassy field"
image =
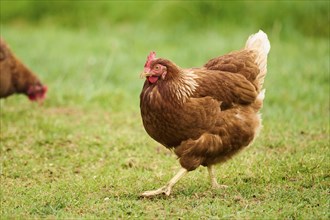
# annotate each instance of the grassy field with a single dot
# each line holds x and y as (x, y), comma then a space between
(85, 154)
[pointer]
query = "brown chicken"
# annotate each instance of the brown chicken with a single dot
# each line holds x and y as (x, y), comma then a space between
(17, 78)
(205, 115)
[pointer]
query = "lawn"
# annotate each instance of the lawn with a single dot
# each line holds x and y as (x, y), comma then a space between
(84, 153)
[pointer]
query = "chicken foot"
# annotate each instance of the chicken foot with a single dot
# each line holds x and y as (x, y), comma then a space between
(213, 179)
(166, 190)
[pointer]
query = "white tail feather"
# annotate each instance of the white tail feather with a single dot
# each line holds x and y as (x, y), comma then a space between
(261, 95)
(260, 44)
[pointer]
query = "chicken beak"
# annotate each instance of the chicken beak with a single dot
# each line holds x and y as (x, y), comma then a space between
(144, 74)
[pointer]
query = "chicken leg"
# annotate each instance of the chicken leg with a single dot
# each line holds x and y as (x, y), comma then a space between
(214, 181)
(166, 190)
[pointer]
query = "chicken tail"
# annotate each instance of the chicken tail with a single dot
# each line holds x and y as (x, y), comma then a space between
(260, 44)
(257, 105)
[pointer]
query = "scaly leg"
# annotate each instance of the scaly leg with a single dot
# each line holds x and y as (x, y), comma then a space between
(168, 187)
(214, 182)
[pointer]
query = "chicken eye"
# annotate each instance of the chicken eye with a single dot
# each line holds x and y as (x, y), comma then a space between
(157, 67)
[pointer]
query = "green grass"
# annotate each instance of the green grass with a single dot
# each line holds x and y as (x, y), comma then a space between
(85, 154)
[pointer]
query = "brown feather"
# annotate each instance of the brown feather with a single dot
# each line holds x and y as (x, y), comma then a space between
(206, 114)
(15, 77)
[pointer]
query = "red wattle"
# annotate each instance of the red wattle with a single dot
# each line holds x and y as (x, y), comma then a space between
(153, 79)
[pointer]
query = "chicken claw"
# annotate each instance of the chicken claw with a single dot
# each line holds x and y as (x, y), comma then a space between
(214, 182)
(218, 186)
(166, 190)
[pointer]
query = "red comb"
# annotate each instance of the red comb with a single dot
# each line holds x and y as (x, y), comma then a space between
(150, 57)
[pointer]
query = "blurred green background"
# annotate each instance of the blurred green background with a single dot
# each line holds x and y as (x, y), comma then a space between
(306, 17)
(85, 153)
